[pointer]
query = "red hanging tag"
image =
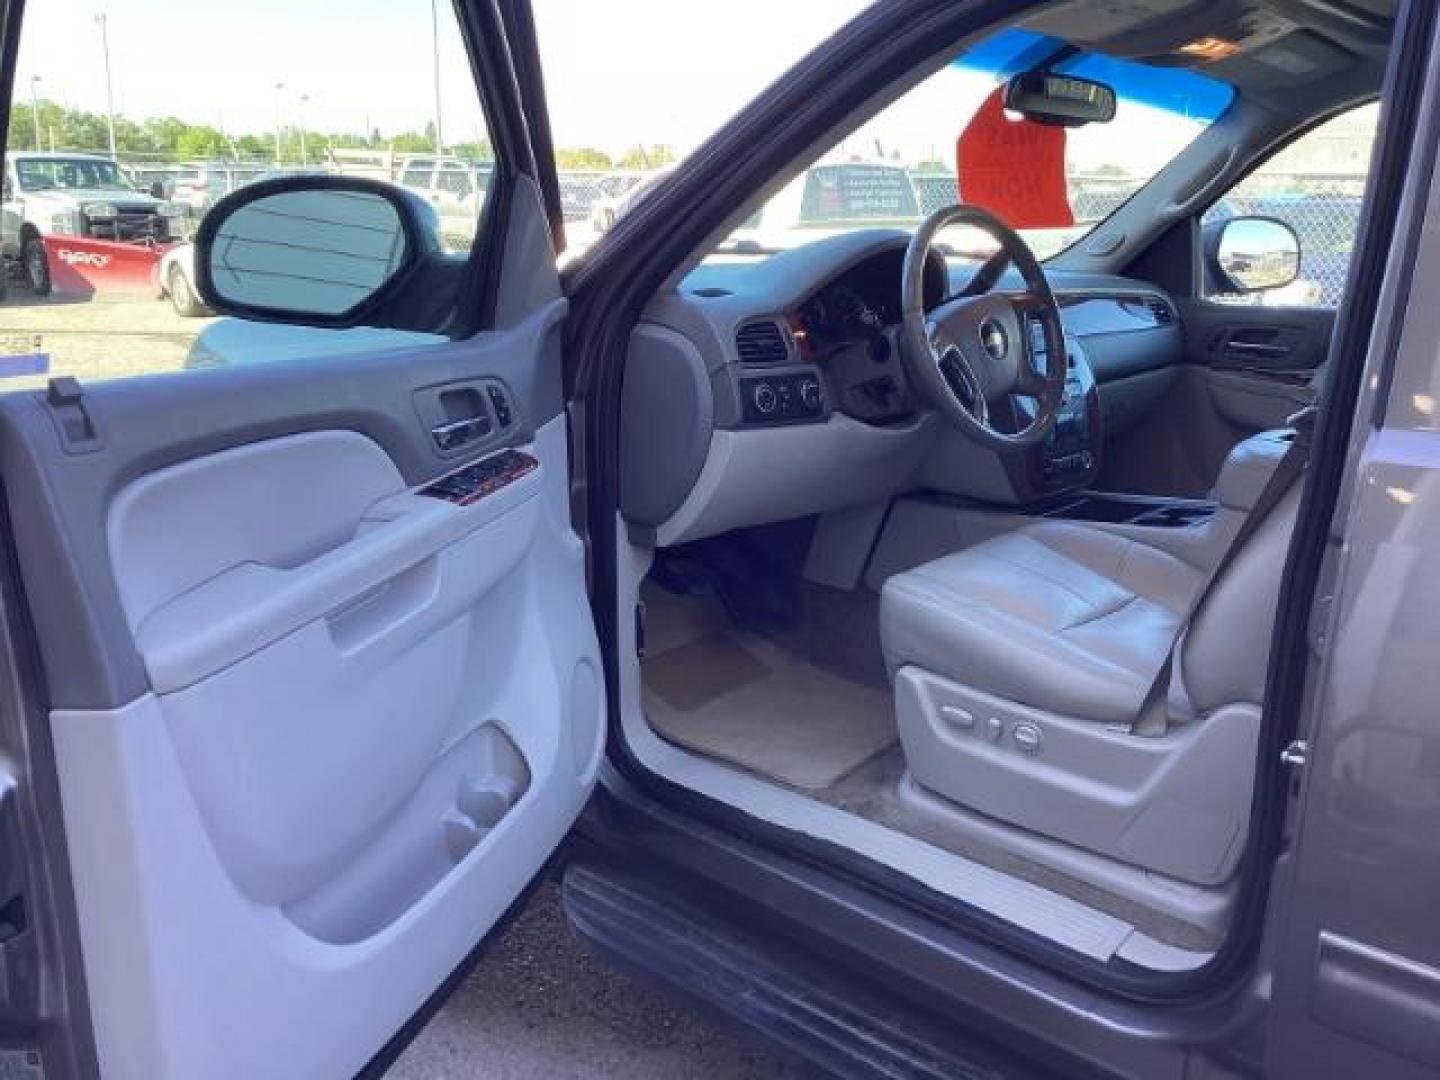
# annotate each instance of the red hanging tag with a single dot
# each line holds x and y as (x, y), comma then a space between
(1014, 168)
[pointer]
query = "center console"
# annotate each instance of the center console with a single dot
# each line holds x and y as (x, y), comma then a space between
(1069, 456)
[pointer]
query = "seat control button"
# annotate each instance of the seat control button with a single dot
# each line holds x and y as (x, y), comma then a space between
(994, 729)
(1027, 736)
(960, 718)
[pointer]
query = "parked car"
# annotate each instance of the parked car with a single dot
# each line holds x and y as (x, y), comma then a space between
(81, 195)
(455, 188)
(200, 185)
(176, 281)
(608, 209)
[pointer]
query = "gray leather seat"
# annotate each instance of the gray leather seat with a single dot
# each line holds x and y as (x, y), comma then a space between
(1021, 668)
(1060, 616)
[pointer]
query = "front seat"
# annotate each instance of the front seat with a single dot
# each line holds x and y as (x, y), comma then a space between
(1057, 615)
(1023, 667)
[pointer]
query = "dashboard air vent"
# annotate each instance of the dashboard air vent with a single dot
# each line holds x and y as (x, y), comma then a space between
(761, 343)
(1161, 309)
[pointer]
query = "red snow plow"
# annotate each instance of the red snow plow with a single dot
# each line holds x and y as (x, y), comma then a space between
(85, 266)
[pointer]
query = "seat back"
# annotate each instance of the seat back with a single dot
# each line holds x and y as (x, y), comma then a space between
(1225, 652)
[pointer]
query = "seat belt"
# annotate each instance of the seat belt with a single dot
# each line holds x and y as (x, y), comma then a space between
(1287, 470)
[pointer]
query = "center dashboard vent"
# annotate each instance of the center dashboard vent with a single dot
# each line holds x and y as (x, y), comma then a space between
(1161, 309)
(761, 343)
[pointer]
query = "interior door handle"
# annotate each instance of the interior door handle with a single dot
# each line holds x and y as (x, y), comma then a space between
(458, 432)
(1257, 348)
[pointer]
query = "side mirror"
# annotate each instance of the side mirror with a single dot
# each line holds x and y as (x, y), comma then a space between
(314, 250)
(1250, 254)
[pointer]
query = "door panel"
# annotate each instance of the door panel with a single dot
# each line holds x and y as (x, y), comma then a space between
(1222, 395)
(315, 727)
(1260, 361)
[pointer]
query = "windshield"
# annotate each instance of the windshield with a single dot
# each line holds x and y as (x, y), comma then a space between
(907, 161)
(41, 174)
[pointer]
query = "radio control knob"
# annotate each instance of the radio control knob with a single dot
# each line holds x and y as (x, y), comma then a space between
(765, 398)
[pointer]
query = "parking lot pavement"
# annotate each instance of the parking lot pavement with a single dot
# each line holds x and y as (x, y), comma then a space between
(98, 337)
(542, 1005)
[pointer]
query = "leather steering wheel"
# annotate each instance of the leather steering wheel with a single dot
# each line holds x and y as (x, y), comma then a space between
(972, 352)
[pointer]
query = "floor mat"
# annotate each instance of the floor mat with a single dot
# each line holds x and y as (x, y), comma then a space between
(698, 672)
(742, 699)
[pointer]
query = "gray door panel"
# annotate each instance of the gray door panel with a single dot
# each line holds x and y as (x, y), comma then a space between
(145, 424)
(320, 711)
(1247, 369)
(1262, 360)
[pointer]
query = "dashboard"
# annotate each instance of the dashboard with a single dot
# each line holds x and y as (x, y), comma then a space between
(759, 391)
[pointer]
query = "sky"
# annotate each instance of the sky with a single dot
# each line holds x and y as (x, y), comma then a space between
(617, 73)
(369, 61)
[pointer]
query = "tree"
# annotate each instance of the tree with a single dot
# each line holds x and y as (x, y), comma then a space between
(648, 157)
(169, 138)
(200, 142)
(473, 151)
(582, 157)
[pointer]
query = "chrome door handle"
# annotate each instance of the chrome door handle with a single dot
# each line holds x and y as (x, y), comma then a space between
(457, 432)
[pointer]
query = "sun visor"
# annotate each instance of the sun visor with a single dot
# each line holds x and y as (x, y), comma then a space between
(1013, 167)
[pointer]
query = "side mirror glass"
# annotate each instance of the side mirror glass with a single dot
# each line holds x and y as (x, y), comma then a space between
(1255, 253)
(314, 249)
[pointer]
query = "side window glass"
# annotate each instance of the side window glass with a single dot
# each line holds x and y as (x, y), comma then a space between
(1314, 186)
(106, 185)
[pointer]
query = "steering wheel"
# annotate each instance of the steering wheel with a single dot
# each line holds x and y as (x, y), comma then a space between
(971, 353)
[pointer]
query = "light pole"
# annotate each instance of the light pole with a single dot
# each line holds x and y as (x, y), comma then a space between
(435, 50)
(104, 25)
(279, 88)
(35, 107)
(304, 156)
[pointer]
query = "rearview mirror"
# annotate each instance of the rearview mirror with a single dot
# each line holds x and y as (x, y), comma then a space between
(1060, 100)
(311, 249)
(1249, 254)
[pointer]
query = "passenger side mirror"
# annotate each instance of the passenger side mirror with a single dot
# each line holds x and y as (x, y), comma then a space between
(315, 250)
(1250, 254)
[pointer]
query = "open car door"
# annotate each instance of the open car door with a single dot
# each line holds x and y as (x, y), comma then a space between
(314, 729)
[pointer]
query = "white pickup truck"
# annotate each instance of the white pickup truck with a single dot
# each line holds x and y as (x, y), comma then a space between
(82, 195)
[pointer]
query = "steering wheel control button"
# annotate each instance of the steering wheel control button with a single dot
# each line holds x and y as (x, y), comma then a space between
(1027, 736)
(963, 719)
(994, 728)
(782, 399)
